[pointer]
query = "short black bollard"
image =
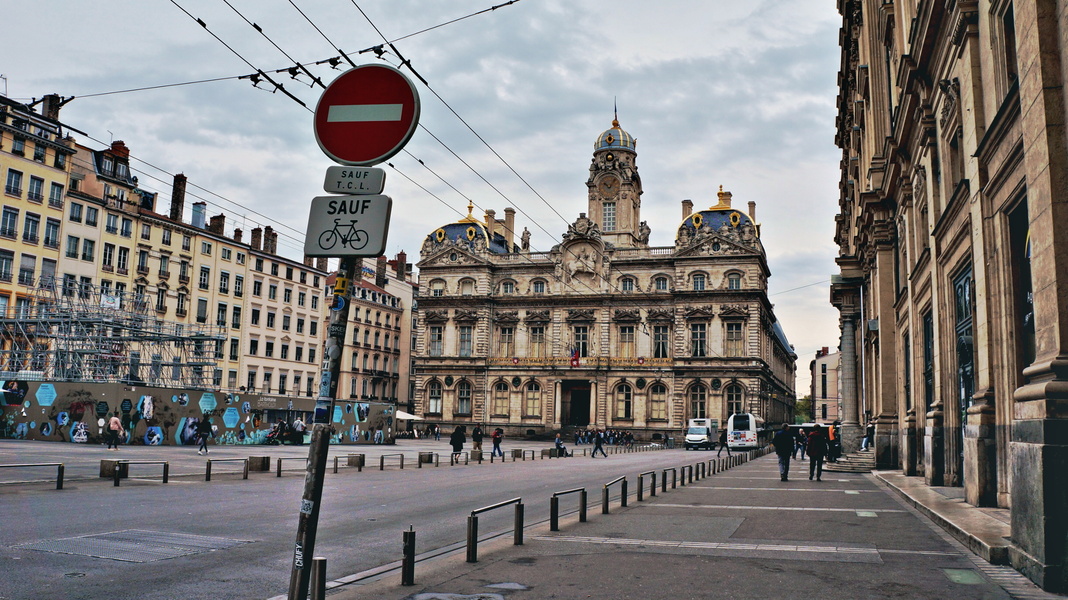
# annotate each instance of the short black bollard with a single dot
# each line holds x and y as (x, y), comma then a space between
(519, 512)
(408, 562)
(582, 505)
(318, 578)
(554, 514)
(59, 478)
(623, 493)
(472, 538)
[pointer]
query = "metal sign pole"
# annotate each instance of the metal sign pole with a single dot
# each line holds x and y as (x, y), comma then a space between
(308, 522)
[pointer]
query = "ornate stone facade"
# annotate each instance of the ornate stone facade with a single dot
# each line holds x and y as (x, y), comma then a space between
(602, 329)
(953, 292)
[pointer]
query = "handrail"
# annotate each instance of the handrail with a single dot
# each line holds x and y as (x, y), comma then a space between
(207, 467)
(641, 484)
(348, 458)
(454, 459)
(622, 492)
(532, 455)
(554, 507)
(472, 526)
(118, 471)
(382, 461)
(674, 475)
(59, 470)
(281, 458)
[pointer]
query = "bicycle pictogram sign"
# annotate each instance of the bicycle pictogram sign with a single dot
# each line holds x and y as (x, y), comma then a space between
(348, 226)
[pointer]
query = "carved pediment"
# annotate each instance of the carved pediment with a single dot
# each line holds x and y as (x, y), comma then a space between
(580, 314)
(699, 312)
(447, 254)
(508, 316)
(660, 314)
(733, 311)
(538, 316)
(436, 316)
(714, 244)
(465, 316)
(627, 315)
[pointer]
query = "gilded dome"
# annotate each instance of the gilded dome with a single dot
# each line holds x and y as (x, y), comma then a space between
(615, 138)
(468, 232)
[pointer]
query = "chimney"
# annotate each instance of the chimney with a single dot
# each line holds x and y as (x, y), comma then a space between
(217, 224)
(50, 106)
(274, 243)
(237, 236)
(257, 238)
(178, 197)
(380, 272)
(752, 211)
(320, 263)
(509, 226)
(268, 234)
(724, 198)
(308, 261)
(199, 208)
(687, 208)
(491, 223)
(119, 149)
(402, 265)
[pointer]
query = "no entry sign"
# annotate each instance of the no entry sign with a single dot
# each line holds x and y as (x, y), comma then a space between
(366, 115)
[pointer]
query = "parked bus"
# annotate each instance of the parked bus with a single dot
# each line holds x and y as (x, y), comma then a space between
(745, 430)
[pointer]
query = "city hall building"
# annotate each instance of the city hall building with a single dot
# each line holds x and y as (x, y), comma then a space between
(601, 330)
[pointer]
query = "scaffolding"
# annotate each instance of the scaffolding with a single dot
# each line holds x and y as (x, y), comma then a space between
(75, 332)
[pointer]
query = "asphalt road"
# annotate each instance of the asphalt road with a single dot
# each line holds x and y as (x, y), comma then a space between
(362, 517)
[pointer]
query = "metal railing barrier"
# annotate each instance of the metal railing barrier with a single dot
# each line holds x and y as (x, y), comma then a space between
(674, 473)
(454, 458)
(353, 460)
(622, 481)
(278, 469)
(433, 457)
(207, 467)
(554, 507)
(382, 460)
(59, 470)
(472, 526)
(533, 455)
(118, 469)
(641, 485)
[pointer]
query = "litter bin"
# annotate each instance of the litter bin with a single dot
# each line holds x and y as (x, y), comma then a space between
(259, 463)
(357, 460)
(427, 458)
(476, 455)
(517, 453)
(669, 442)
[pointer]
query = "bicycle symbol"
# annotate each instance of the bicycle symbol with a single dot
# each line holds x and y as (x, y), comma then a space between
(350, 237)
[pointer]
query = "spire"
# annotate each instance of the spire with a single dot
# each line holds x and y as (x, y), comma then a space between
(615, 112)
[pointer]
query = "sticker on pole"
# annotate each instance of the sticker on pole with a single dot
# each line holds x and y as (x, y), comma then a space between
(366, 115)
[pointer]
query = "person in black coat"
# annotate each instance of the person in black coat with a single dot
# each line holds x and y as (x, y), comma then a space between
(457, 440)
(817, 451)
(784, 449)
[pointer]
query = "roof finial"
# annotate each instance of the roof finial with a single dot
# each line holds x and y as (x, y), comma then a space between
(471, 206)
(615, 112)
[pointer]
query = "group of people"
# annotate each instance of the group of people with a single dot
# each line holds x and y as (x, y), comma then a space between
(820, 443)
(478, 435)
(612, 437)
(282, 431)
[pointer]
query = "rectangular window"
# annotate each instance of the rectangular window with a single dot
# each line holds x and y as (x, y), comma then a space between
(31, 227)
(532, 406)
(302, 298)
(205, 248)
(239, 286)
(272, 292)
(300, 325)
(235, 321)
(111, 223)
(51, 233)
(224, 282)
(88, 250)
(287, 295)
(14, 183)
(123, 263)
(255, 316)
(624, 402)
(581, 336)
(661, 349)
(658, 402)
(609, 216)
(226, 253)
(735, 342)
(73, 243)
(463, 398)
(235, 345)
(9, 223)
(436, 340)
(268, 349)
(506, 342)
(205, 278)
(285, 322)
(202, 310)
(75, 215)
(537, 341)
(35, 193)
(127, 228)
(270, 319)
(698, 339)
(92, 215)
(253, 347)
(166, 237)
(146, 231)
(626, 341)
(466, 345)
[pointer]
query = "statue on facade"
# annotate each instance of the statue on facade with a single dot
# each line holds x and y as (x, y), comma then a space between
(643, 232)
(525, 239)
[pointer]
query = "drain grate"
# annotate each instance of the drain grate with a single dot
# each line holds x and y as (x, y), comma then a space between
(135, 545)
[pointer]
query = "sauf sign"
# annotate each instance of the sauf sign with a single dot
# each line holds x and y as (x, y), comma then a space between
(364, 117)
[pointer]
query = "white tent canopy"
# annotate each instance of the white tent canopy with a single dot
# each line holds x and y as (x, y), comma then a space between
(408, 416)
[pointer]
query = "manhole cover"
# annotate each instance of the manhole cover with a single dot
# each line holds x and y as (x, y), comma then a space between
(134, 545)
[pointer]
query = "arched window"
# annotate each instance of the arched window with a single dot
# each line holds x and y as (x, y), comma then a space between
(433, 398)
(538, 287)
(627, 284)
(698, 282)
(437, 288)
(698, 402)
(500, 398)
(467, 287)
(734, 281)
(463, 398)
(533, 401)
(624, 401)
(734, 396)
(508, 287)
(660, 284)
(658, 402)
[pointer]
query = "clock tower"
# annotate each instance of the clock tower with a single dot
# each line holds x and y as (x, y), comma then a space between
(615, 189)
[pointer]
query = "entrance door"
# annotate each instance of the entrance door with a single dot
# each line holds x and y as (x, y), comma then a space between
(578, 410)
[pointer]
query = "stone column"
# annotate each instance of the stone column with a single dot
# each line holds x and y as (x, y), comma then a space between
(851, 430)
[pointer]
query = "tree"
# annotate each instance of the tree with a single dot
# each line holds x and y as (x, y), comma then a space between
(803, 410)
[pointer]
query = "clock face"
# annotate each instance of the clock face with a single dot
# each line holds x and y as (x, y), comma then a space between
(608, 186)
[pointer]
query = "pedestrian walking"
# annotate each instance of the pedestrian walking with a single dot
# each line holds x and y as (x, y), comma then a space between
(817, 451)
(203, 433)
(115, 430)
(437, 433)
(869, 436)
(834, 442)
(457, 440)
(496, 437)
(801, 443)
(784, 447)
(476, 437)
(723, 443)
(298, 431)
(598, 445)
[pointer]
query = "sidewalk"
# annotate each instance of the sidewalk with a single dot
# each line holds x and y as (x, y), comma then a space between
(741, 533)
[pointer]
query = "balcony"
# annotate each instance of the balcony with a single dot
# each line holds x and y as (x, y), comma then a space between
(13, 190)
(224, 290)
(164, 275)
(25, 276)
(142, 269)
(8, 232)
(37, 197)
(30, 238)
(183, 279)
(105, 268)
(122, 271)
(55, 202)
(5, 276)
(111, 229)
(126, 233)
(180, 312)
(51, 242)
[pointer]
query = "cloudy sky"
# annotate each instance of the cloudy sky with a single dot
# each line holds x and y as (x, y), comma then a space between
(717, 92)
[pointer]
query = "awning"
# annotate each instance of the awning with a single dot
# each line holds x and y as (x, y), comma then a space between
(408, 416)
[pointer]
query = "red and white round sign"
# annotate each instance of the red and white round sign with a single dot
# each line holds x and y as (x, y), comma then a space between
(366, 115)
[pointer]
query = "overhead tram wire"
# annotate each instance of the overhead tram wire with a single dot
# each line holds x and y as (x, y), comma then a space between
(294, 70)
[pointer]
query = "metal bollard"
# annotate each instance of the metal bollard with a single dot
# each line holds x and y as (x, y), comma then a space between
(604, 500)
(408, 562)
(279, 467)
(623, 492)
(166, 471)
(582, 506)
(554, 514)
(641, 487)
(59, 478)
(472, 538)
(519, 511)
(318, 578)
(207, 471)
(652, 489)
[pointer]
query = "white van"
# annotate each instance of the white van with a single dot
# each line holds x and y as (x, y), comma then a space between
(701, 433)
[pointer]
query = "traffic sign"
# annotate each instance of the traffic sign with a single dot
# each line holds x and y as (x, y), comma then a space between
(366, 115)
(348, 226)
(354, 180)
